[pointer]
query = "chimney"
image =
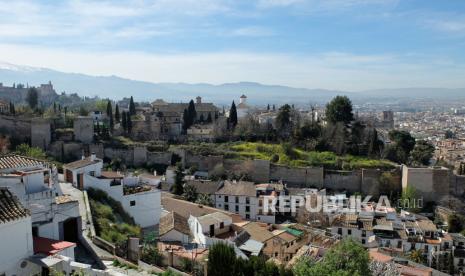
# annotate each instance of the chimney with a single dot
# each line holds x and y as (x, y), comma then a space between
(92, 156)
(198, 100)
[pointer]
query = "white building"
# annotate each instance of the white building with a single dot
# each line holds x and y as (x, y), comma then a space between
(15, 233)
(141, 200)
(243, 108)
(54, 216)
(238, 197)
(74, 171)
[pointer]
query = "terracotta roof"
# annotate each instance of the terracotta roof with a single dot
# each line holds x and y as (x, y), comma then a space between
(10, 207)
(204, 186)
(257, 231)
(81, 163)
(213, 218)
(49, 246)
(380, 257)
(173, 221)
(240, 188)
(17, 161)
(112, 175)
(186, 208)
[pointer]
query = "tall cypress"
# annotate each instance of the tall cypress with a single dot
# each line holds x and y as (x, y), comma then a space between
(129, 122)
(124, 122)
(110, 115)
(185, 120)
(117, 118)
(233, 115)
(192, 113)
(132, 107)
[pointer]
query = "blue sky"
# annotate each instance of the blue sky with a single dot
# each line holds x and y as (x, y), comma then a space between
(334, 44)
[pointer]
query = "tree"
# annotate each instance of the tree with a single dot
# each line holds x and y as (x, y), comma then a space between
(449, 134)
(110, 115)
(283, 121)
(178, 187)
(189, 193)
(32, 98)
(221, 260)
(374, 144)
(128, 123)
(191, 113)
(132, 107)
(117, 114)
(233, 116)
(12, 108)
(455, 223)
(417, 256)
(185, 120)
(339, 110)
(401, 146)
(124, 121)
(34, 152)
(204, 199)
(422, 153)
(345, 258)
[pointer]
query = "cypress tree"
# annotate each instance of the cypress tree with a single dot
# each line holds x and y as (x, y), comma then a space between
(124, 122)
(12, 108)
(117, 118)
(192, 113)
(132, 107)
(110, 114)
(185, 120)
(233, 115)
(129, 122)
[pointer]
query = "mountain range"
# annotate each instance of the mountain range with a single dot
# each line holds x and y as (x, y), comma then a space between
(115, 87)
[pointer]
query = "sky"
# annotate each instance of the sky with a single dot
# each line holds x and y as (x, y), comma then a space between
(333, 44)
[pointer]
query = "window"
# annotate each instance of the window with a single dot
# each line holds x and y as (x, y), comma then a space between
(339, 231)
(363, 241)
(247, 200)
(226, 207)
(226, 198)
(132, 203)
(92, 173)
(247, 208)
(237, 199)
(237, 208)
(364, 233)
(247, 216)
(221, 225)
(349, 232)
(399, 244)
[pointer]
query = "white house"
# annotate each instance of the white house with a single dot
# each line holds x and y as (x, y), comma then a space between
(15, 233)
(142, 201)
(239, 197)
(53, 215)
(243, 108)
(174, 227)
(74, 171)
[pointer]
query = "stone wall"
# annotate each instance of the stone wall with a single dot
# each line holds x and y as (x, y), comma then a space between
(84, 129)
(16, 126)
(163, 158)
(41, 134)
(66, 152)
(343, 180)
(433, 184)
(297, 176)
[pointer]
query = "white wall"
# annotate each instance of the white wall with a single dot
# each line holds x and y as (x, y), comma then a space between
(16, 244)
(253, 205)
(174, 235)
(96, 168)
(147, 209)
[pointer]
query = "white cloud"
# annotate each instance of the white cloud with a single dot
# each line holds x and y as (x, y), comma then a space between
(253, 31)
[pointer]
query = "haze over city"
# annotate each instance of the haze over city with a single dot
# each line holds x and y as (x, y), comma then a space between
(349, 45)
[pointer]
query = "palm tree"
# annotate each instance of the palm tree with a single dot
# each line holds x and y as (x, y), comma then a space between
(190, 193)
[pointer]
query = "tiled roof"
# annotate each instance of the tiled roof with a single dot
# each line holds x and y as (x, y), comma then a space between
(81, 163)
(173, 221)
(186, 208)
(111, 175)
(10, 207)
(257, 231)
(16, 161)
(204, 187)
(240, 188)
(49, 246)
(213, 218)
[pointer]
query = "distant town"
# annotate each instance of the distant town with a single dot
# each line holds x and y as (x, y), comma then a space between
(92, 186)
